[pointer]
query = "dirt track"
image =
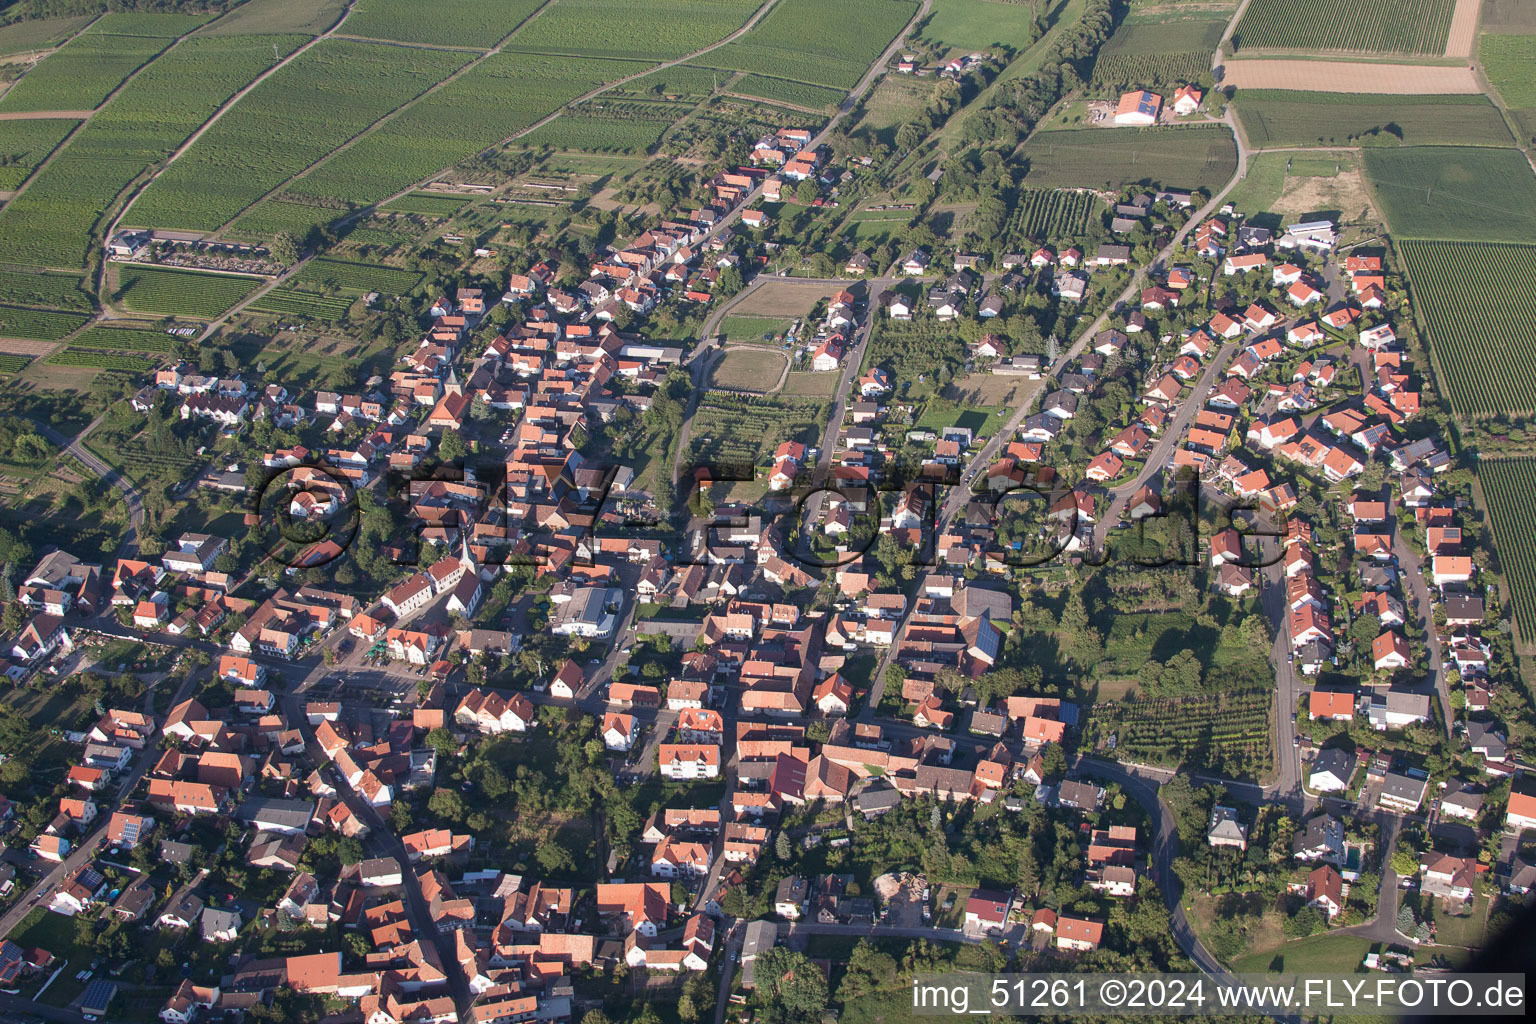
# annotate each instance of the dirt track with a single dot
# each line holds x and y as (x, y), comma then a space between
(1344, 76)
(1463, 29)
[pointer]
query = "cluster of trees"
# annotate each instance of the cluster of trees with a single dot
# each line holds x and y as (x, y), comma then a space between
(21, 444)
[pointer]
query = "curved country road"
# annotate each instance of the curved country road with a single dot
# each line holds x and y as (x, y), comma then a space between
(75, 447)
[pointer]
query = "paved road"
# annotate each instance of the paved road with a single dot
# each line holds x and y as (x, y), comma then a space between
(1421, 605)
(698, 361)
(1165, 848)
(1163, 449)
(960, 495)
(75, 446)
(85, 851)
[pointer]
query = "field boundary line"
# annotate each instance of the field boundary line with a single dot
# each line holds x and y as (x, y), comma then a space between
(47, 115)
(213, 118)
(650, 68)
(383, 118)
(64, 143)
(409, 45)
(797, 108)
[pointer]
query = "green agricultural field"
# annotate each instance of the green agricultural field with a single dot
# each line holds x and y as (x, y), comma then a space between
(1273, 117)
(1227, 733)
(782, 90)
(1445, 193)
(81, 73)
(427, 204)
(1510, 63)
(1113, 158)
(169, 292)
(679, 81)
(597, 134)
(812, 41)
(13, 364)
(50, 224)
(1479, 304)
(654, 30)
(737, 430)
(264, 17)
(1049, 215)
(291, 302)
(496, 99)
(25, 144)
(1411, 27)
(38, 324)
(288, 122)
(479, 23)
(979, 24)
(38, 34)
(1507, 485)
(1149, 54)
(123, 339)
(158, 26)
(100, 360)
(354, 278)
(56, 291)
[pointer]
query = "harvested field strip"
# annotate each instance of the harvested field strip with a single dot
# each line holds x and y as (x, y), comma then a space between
(1344, 76)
